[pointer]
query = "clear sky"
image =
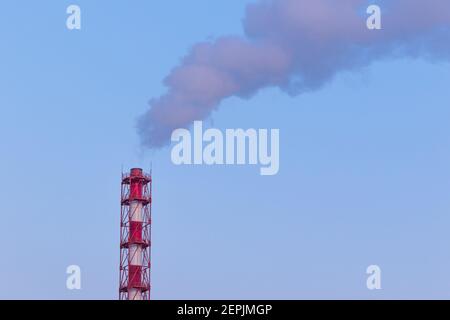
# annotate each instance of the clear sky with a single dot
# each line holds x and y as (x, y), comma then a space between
(364, 166)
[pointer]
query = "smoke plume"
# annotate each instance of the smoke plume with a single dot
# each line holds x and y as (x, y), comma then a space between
(296, 45)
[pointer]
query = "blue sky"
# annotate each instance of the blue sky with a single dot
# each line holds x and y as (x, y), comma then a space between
(364, 166)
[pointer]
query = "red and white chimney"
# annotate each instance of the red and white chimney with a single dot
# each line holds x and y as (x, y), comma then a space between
(135, 236)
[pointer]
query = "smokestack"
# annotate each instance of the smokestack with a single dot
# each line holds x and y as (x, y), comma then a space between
(135, 236)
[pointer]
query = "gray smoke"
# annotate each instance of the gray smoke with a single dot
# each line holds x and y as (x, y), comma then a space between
(296, 45)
